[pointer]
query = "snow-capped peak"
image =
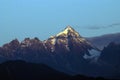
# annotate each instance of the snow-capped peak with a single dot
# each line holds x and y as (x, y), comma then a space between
(66, 41)
(68, 31)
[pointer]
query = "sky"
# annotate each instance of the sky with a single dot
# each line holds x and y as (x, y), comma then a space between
(43, 18)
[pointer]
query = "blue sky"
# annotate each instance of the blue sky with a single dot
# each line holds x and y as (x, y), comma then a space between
(43, 18)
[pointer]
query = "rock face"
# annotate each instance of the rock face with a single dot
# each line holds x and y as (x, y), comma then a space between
(109, 60)
(67, 41)
(111, 55)
(65, 51)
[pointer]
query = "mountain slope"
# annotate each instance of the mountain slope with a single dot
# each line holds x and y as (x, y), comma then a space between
(102, 41)
(110, 59)
(21, 70)
(67, 40)
(67, 51)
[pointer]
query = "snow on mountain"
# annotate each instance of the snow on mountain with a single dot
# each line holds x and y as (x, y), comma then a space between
(67, 51)
(68, 40)
(94, 55)
(68, 31)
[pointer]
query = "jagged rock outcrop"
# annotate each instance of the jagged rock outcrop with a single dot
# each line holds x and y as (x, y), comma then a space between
(67, 51)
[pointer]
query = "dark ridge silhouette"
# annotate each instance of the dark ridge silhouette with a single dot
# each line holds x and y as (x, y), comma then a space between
(111, 54)
(110, 58)
(21, 70)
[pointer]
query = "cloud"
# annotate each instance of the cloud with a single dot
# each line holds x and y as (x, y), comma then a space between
(114, 25)
(94, 27)
(101, 27)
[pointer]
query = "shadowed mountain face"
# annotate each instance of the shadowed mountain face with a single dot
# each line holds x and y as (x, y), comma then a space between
(66, 52)
(102, 41)
(111, 53)
(110, 57)
(65, 42)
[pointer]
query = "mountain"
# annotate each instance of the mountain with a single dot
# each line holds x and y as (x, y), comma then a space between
(66, 41)
(111, 54)
(110, 58)
(21, 70)
(102, 41)
(67, 51)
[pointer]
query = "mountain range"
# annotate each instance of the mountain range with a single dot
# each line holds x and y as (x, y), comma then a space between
(102, 41)
(67, 52)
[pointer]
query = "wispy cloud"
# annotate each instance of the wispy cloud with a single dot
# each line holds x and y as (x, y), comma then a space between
(114, 25)
(101, 27)
(95, 27)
